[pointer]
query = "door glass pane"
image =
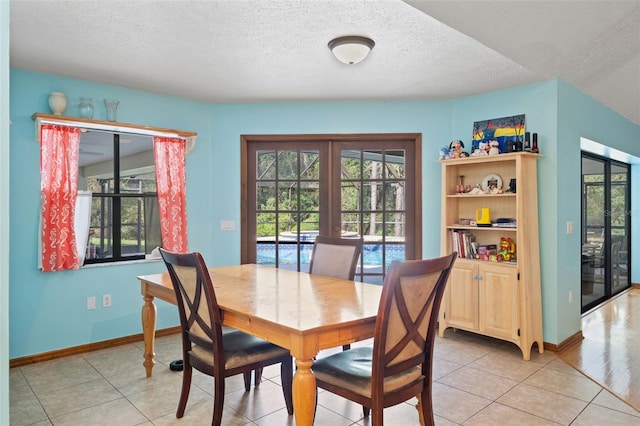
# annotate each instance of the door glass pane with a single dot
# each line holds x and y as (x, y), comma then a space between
(265, 165)
(593, 230)
(619, 224)
(377, 202)
(287, 206)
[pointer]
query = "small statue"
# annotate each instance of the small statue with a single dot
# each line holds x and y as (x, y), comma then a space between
(481, 150)
(507, 249)
(456, 149)
(444, 153)
(494, 147)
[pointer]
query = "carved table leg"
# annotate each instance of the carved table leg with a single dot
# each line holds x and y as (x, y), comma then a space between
(149, 331)
(304, 393)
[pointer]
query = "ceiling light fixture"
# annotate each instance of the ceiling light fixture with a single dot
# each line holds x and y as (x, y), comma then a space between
(351, 49)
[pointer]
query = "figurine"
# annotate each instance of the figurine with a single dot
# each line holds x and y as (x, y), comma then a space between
(444, 153)
(507, 249)
(481, 149)
(455, 149)
(494, 147)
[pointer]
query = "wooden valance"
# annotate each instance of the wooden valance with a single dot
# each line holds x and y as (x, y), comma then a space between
(112, 126)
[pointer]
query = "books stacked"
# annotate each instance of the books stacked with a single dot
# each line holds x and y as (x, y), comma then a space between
(464, 242)
(504, 223)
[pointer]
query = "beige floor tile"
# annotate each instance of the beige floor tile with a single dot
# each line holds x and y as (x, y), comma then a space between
(507, 366)
(59, 373)
(162, 400)
(119, 412)
(498, 414)
(26, 410)
(595, 415)
(542, 403)
(116, 360)
(441, 367)
(459, 352)
(137, 381)
(456, 405)
(478, 382)
(324, 417)
(201, 415)
(340, 406)
(18, 384)
(259, 402)
(578, 387)
(608, 400)
(77, 397)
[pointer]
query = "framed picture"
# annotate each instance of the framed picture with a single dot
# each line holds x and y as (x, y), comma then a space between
(505, 130)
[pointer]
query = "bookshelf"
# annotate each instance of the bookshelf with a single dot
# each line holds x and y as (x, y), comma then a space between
(490, 294)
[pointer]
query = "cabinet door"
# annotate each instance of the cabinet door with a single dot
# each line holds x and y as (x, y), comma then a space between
(461, 302)
(498, 293)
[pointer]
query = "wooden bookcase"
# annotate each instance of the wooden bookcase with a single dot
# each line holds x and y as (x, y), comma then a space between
(497, 299)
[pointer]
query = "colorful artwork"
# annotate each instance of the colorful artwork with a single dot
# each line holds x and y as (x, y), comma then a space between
(504, 129)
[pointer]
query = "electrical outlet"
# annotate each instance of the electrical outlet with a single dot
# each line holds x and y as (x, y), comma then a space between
(570, 296)
(106, 300)
(91, 303)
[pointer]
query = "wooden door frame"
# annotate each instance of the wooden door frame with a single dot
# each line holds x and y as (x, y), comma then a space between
(416, 200)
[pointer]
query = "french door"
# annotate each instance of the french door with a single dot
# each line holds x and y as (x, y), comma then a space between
(349, 186)
(605, 227)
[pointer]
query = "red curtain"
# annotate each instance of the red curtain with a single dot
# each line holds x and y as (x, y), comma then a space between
(170, 158)
(59, 147)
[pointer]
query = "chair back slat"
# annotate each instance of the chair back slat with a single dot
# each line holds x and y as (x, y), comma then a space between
(335, 257)
(405, 327)
(199, 313)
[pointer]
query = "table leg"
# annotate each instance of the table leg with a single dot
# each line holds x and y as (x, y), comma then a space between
(304, 393)
(149, 330)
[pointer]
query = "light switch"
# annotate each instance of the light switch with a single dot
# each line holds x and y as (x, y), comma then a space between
(227, 225)
(569, 227)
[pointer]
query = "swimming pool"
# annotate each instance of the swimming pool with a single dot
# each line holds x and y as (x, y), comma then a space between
(287, 254)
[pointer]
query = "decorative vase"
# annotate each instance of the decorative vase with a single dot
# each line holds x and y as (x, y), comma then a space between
(57, 102)
(85, 108)
(111, 105)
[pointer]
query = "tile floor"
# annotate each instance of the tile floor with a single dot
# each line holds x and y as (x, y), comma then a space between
(477, 381)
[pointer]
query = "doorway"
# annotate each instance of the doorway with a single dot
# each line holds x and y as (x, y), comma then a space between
(349, 186)
(605, 229)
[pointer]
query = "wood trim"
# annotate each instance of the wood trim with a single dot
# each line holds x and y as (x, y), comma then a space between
(67, 119)
(565, 344)
(90, 347)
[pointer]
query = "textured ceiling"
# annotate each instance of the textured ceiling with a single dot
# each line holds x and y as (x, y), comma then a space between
(245, 51)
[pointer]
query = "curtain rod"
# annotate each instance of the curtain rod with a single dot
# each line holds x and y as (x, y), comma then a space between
(112, 126)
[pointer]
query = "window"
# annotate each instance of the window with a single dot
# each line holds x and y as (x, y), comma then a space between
(119, 171)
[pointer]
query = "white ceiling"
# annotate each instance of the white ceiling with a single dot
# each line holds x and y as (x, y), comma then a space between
(258, 50)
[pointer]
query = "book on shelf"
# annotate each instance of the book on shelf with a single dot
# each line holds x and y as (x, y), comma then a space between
(464, 242)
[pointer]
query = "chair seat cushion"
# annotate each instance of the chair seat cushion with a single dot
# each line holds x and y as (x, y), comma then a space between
(241, 349)
(351, 370)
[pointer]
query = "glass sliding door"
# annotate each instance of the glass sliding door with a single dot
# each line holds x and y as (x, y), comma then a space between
(620, 225)
(605, 229)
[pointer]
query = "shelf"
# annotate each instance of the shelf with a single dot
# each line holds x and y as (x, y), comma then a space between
(510, 194)
(485, 262)
(482, 228)
(490, 158)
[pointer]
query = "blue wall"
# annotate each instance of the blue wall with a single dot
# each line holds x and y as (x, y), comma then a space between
(48, 310)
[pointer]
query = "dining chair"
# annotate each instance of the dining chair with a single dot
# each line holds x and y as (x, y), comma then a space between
(335, 257)
(398, 366)
(204, 345)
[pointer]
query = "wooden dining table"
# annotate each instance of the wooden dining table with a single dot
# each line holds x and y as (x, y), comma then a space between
(298, 311)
